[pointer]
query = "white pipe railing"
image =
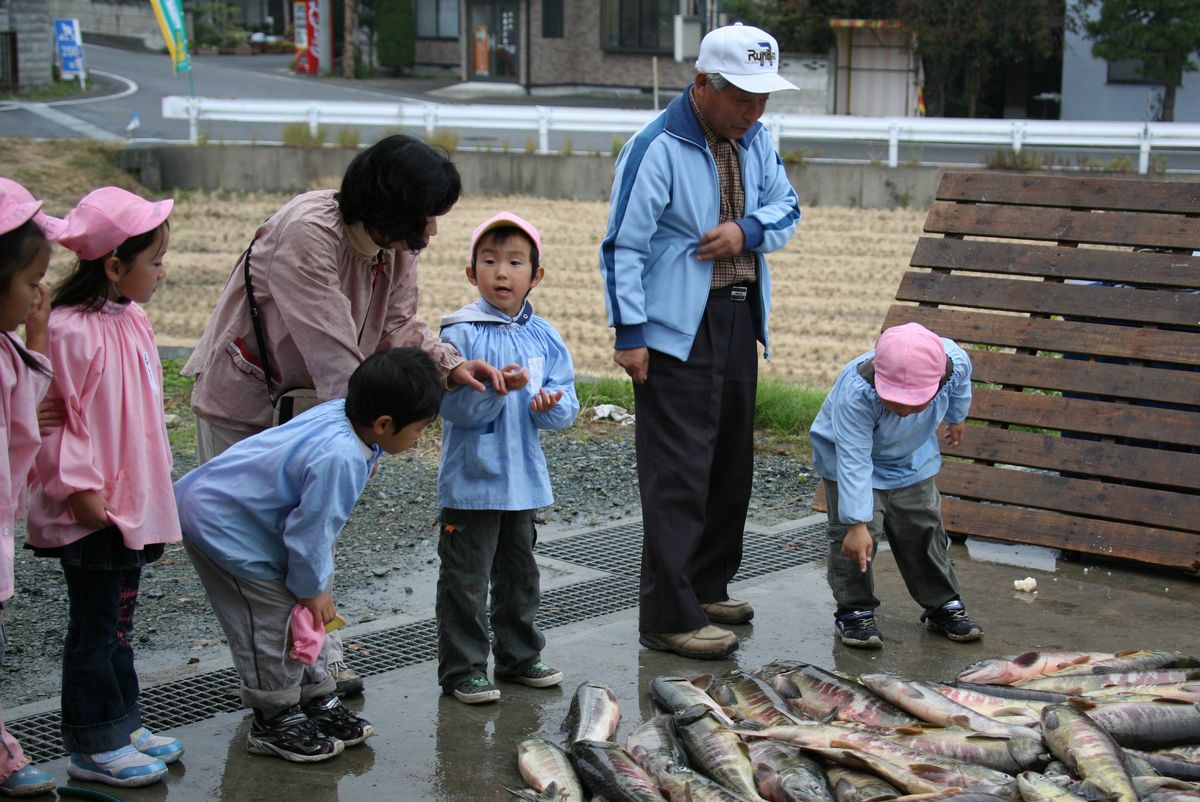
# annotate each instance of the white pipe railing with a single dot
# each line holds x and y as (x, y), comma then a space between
(543, 120)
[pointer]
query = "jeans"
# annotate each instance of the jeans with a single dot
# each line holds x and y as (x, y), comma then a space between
(99, 683)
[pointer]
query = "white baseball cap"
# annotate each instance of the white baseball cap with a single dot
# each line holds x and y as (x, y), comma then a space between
(746, 56)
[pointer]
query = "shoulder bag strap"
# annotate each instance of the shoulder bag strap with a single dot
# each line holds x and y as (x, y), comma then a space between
(259, 337)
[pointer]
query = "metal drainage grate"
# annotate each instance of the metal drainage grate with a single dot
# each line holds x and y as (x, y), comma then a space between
(619, 550)
(616, 550)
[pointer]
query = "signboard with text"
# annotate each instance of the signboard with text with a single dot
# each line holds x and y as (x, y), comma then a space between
(307, 26)
(68, 42)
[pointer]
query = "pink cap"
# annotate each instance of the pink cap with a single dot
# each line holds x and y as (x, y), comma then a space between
(108, 216)
(18, 206)
(506, 219)
(910, 363)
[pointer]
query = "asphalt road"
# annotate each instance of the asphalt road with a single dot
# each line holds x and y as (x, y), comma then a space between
(125, 104)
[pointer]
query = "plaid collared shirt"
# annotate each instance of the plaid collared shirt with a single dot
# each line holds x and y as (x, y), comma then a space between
(740, 267)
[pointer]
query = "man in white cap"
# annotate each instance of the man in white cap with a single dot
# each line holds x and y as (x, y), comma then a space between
(700, 195)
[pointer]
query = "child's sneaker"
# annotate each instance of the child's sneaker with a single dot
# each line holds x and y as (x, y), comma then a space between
(348, 682)
(335, 720)
(28, 781)
(538, 675)
(125, 767)
(291, 736)
(476, 691)
(951, 620)
(163, 747)
(857, 628)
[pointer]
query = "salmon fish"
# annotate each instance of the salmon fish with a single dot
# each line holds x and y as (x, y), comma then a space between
(1037, 787)
(594, 713)
(1008, 670)
(822, 694)
(1010, 755)
(1087, 750)
(1132, 660)
(609, 772)
(716, 751)
(926, 703)
(785, 774)
(548, 771)
(1088, 682)
(753, 698)
(677, 694)
(854, 785)
(1146, 725)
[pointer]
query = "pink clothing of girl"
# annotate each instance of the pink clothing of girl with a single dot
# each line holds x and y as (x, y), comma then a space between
(21, 389)
(109, 377)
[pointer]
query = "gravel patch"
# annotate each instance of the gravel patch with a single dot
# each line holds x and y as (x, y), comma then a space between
(388, 548)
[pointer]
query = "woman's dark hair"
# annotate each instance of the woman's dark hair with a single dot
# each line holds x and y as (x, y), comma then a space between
(400, 382)
(500, 235)
(18, 248)
(86, 285)
(396, 185)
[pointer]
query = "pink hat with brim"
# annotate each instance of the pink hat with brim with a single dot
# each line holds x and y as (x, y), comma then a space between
(506, 219)
(108, 216)
(18, 206)
(910, 364)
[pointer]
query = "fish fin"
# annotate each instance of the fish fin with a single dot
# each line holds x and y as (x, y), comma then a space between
(963, 721)
(928, 771)
(910, 729)
(1093, 792)
(989, 736)
(1027, 659)
(1126, 652)
(1080, 703)
(529, 795)
(831, 716)
(703, 681)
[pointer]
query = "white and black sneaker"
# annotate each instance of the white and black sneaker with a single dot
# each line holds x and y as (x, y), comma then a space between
(292, 736)
(857, 628)
(335, 720)
(952, 621)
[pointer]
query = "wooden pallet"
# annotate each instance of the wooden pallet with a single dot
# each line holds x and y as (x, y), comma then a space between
(1098, 453)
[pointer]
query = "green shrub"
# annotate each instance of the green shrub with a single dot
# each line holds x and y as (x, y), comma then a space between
(347, 138)
(298, 135)
(785, 409)
(447, 140)
(396, 30)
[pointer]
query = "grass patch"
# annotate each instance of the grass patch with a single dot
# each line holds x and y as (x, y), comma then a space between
(56, 90)
(177, 397)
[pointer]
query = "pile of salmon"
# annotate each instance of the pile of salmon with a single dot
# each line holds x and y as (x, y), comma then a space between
(1037, 727)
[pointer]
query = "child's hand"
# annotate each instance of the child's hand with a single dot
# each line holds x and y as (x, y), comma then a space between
(545, 400)
(321, 607)
(515, 377)
(90, 509)
(51, 414)
(858, 546)
(476, 374)
(954, 433)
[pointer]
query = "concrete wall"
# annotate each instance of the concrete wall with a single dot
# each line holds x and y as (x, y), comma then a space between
(34, 26)
(129, 21)
(263, 168)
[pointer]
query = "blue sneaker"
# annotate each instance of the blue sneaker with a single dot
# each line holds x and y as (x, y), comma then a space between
(125, 767)
(28, 781)
(163, 747)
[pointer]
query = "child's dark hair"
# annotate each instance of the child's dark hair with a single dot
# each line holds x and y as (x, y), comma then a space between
(402, 383)
(86, 285)
(500, 235)
(18, 248)
(396, 185)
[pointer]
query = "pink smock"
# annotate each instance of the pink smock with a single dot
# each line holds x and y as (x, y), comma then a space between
(109, 377)
(21, 389)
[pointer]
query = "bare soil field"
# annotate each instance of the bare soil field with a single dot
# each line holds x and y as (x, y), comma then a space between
(832, 283)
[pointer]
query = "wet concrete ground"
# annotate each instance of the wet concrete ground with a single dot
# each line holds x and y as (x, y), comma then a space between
(431, 747)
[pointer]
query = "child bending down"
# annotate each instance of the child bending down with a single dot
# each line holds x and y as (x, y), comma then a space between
(875, 446)
(102, 504)
(266, 557)
(493, 474)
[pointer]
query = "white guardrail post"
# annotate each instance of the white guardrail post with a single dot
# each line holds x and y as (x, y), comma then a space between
(623, 122)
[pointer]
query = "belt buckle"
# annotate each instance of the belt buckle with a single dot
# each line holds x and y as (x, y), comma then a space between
(737, 292)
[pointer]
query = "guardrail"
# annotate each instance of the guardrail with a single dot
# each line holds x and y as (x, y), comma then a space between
(544, 119)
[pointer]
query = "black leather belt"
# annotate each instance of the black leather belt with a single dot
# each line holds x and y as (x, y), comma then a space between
(734, 292)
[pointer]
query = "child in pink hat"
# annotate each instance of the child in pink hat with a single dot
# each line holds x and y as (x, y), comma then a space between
(24, 378)
(103, 503)
(875, 446)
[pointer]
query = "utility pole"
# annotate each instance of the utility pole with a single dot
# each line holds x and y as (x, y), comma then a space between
(350, 36)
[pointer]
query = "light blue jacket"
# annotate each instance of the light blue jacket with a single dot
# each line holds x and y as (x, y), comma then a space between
(862, 446)
(491, 444)
(666, 194)
(271, 505)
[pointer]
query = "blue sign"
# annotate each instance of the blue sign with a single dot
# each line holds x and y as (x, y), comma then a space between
(69, 42)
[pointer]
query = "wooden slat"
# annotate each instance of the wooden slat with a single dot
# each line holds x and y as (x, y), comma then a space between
(1087, 264)
(1163, 547)
(1158, 385)
(1074, 192)
(1131, 464)
(1015, 331)
(1160, 307)
(1049, 491)
(1098, 228)
(1102, 418)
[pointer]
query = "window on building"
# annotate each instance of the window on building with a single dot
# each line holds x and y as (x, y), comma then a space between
(642, 25)
(552, 19)
(1128, 71)
(437, 19)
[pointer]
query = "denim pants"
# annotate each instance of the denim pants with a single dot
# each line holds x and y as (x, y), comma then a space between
(911, 520)
(478, 548)
(99, 683)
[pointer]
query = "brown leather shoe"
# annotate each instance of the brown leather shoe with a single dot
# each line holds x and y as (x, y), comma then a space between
(706, 643)
(730, 611)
